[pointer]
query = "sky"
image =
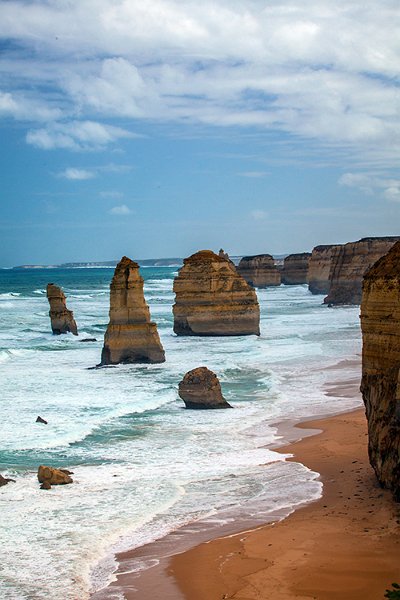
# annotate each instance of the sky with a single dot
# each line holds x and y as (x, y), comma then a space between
(155, 128)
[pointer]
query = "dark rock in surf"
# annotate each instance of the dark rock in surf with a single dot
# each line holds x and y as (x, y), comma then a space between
(201, 389)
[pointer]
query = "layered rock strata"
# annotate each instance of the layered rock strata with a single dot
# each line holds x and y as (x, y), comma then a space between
(259, 271)
(62, 319)
(213, 299)
(380, 386)
(349, 264)
(319, 268)
(201, 389)
(295, 269)
(130, 337)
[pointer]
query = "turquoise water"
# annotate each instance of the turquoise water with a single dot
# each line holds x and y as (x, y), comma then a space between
(142, 464)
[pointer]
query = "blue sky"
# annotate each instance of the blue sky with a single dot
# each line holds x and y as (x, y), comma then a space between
(157, 128)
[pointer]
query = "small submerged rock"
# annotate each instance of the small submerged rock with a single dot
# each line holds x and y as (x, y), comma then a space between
(40, 420)
(52, 476)
(88, 340)
(201, 389)
(5, 480)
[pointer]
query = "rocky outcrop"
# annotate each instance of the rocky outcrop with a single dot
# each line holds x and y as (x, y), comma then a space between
(213, 299)
(380, 386)
(53, 476)
(295, 269)
(130, 337)
(349, 264)
(62, 319)
(201, 389)
(319, 268)
(259, 271)
(5, 480)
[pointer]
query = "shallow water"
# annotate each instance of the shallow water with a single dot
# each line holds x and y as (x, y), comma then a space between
(142, 464)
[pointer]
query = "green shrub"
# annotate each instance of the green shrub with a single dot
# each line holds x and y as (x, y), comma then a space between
(393, 594)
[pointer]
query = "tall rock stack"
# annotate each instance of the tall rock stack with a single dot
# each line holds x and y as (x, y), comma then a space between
(349, 264)
(212, 299)
(259, 271)
(130, 337)
(319, 268)
(295, 269)
(380, 386)
(62, 319)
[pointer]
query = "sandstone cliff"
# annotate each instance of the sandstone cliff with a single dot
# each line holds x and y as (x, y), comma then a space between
(319, 268)
(380, 386)
(130, 337)
(259, 271)
(213, 299)
(349, 264)
(295, 268)
(62, 319)
(201, 389)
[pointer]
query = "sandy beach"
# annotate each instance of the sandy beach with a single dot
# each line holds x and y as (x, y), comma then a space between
(344, 546)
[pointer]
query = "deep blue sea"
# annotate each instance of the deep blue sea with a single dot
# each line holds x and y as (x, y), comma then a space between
(142, 464)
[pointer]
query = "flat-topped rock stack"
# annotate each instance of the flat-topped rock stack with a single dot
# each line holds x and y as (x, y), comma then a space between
(349, 263)
(259, 271)
(295, 269)
(130, 337)
(62, 319)
(380, 386)
(201, 389)
(319, 268)
(212, 299)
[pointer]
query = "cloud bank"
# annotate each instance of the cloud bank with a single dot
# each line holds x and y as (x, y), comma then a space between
(314, 70)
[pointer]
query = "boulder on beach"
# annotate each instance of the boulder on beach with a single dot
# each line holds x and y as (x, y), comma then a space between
(201, 389)
(212, 299)
(62, 319)
(53, 476)
(130, 337)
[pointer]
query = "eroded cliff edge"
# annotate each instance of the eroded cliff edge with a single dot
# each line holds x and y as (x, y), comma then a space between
(213, 299)
(380, 386)
(259, 271)
(319, 269)
(130, 337)
(295, 268)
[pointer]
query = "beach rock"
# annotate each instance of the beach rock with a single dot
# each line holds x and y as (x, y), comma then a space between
(5, 480)
(295, 269)
(130, 337)
(40, 420)
(380, 385)
(319, 268)
(259, 271)
(201, 389)
(45, 485)
(62, 319)
(212, 299)
(53, 476)
(349, 264)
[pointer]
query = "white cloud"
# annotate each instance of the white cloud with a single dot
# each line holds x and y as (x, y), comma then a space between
(76, 135)
(258, 215)
(253, 174)
(370, 184)
(278, 65)
(120, 210)
(77, 174)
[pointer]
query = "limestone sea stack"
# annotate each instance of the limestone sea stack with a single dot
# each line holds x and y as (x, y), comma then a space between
(130, 337)
(212, 299)
(380, 386)
(295, 269)
(62, 319)
(201, 389)
(259, 271)
(349, 264)
(319, 269)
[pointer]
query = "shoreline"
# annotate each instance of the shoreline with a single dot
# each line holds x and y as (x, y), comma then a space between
(164, 554)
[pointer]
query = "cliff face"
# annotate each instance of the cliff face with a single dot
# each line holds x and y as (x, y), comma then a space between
(349, 264)
(259, 271)
(213, 299)
(130, 337)
(380, 386)
(62, 319)
(295, 269)
(319, 268)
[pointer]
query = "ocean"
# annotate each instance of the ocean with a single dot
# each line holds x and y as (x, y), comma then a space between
(143, 465)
